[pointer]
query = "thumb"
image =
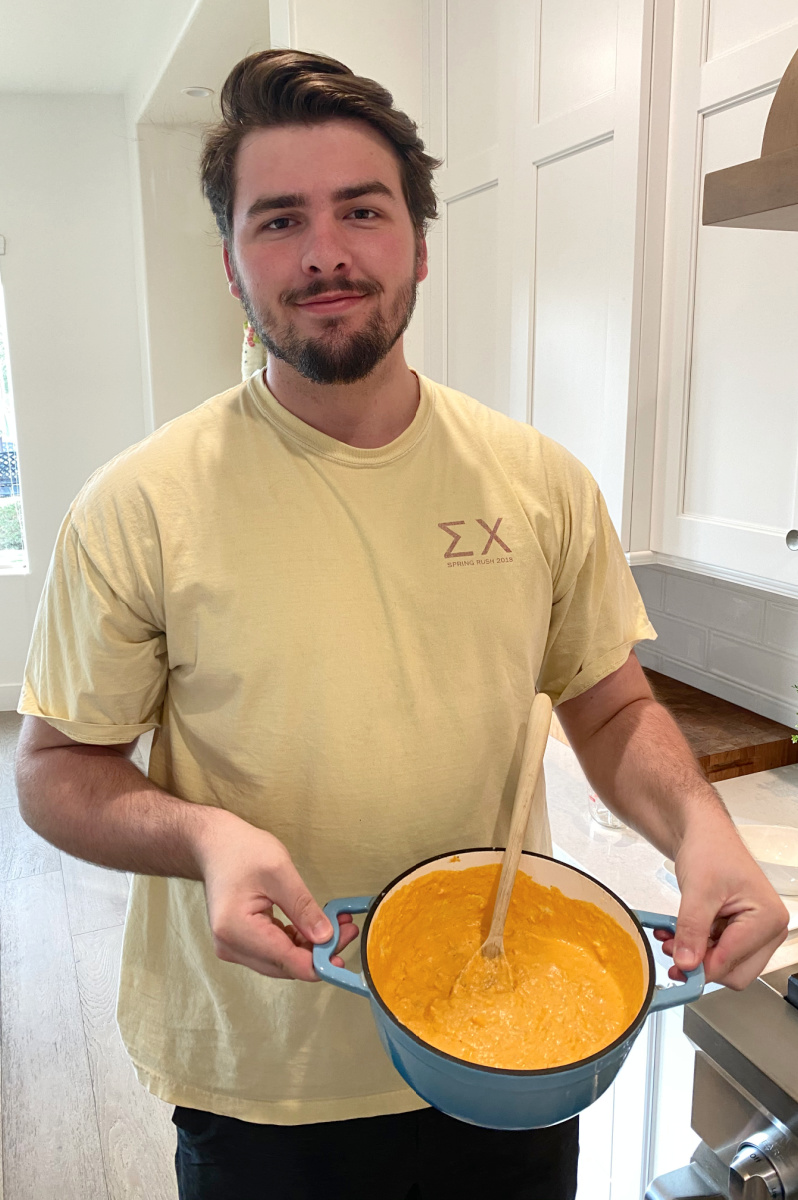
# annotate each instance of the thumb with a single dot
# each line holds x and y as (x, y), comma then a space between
(693, 927)
(290, 893)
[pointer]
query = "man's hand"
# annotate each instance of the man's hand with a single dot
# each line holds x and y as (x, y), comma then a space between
(91, 801)
(637, 760)
(246, 872)
(730, 917)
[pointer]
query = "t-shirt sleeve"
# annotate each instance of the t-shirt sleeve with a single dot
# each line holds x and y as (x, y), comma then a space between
(597, 614)
(97, 664)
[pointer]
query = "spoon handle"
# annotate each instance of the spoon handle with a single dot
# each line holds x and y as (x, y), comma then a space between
(531, 763)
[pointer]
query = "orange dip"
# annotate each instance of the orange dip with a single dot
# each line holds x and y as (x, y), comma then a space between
(577, 975)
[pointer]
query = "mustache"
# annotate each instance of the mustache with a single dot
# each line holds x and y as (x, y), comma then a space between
(364, 287)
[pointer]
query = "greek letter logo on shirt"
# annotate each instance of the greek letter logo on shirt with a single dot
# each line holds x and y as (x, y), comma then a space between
(468, 536)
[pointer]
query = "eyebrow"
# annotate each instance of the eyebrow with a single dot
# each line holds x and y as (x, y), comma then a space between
(264, 204)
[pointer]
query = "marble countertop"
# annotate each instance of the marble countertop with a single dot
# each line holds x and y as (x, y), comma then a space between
(633, 868)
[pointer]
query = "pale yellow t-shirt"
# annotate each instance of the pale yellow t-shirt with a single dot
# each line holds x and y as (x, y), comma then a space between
(341, 646)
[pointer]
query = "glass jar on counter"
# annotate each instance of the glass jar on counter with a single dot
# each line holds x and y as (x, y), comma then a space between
(601, 814)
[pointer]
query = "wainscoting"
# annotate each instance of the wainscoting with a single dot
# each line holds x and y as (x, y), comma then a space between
(736, 642)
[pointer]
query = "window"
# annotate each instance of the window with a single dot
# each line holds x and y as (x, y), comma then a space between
(13, 555)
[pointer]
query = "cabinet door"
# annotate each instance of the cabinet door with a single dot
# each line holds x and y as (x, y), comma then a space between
(540, 109)
(726, 485)
(461, 119)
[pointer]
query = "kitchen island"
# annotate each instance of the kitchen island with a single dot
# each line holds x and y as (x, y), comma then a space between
(625, 861)
(641, 1127)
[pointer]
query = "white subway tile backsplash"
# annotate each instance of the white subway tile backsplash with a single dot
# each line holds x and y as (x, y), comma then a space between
(736, 642)
(716, 605)
(766, 670)
(781, 627)
(650, 582)
(680, 639)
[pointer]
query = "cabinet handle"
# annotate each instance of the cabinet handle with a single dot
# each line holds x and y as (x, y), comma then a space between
(792, 539)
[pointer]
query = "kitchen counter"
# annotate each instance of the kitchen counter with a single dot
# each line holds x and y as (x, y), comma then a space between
(631, 866)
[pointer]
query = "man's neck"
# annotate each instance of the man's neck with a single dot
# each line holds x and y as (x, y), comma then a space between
(370, 413)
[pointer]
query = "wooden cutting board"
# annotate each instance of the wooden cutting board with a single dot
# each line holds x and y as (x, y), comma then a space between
(726, 739)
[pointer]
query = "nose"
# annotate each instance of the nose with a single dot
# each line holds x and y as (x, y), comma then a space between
(325, 251)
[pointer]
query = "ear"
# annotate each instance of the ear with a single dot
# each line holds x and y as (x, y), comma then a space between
(422, 269)
(228, 270)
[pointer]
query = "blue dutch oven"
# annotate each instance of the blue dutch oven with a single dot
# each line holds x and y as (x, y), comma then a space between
(490, 1096)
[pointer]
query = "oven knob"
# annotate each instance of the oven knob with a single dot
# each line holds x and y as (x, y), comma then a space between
(752, 1176)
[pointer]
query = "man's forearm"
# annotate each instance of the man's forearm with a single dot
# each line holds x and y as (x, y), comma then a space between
(96, 805)
(643, 769)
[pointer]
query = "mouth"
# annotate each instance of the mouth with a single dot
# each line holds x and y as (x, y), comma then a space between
(332, 304)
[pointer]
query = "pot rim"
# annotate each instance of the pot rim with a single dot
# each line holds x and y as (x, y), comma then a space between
(631, 1029)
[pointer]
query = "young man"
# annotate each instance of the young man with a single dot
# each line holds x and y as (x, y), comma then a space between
(332, 592)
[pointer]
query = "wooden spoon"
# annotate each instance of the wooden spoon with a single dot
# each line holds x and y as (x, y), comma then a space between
(489, 968)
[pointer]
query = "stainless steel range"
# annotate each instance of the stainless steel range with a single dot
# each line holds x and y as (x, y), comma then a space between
(745, 1094)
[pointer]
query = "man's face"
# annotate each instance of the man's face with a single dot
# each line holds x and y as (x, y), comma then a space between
(324, 256)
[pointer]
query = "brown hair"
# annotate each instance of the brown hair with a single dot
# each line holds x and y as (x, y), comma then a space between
(292, 87)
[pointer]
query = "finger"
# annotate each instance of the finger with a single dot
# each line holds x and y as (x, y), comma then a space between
(666, 940)
(343, 919)
(733, 973)
(348, 934)
(290, 893)
(739, 957)
(264, 947)
(282, 969)
(718, 927)
(297, 938)
(693, 925)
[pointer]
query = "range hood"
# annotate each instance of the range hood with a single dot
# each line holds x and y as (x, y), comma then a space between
(763, 193)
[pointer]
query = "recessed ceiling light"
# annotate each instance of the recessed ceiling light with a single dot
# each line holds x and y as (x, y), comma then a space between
(197, 93)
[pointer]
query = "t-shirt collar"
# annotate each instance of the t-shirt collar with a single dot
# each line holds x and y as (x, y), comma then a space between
(329, 447)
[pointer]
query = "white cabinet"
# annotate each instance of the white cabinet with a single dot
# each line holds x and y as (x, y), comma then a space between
(541, 113)
(726, 480)
(461, 125)
(572, 284)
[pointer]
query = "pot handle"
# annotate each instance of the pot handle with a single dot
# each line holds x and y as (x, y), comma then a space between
(323, 953)
(680, 993)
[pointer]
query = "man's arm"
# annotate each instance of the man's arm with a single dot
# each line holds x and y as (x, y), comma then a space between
(637, 760)
(92, 802)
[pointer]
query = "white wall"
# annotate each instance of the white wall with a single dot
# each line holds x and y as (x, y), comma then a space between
(736, 642)
(73, 326)
(195, 328)
(118, 314)
(163, 37)
(387, 49)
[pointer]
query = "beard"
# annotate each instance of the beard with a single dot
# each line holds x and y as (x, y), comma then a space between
(335, 356)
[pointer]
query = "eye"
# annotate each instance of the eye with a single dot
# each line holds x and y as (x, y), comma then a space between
(360, 213)
(274, 226)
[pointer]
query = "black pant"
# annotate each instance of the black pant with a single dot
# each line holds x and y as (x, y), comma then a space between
(421, 1155)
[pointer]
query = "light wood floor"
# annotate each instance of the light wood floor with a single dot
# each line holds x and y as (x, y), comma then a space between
(76, 1123)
